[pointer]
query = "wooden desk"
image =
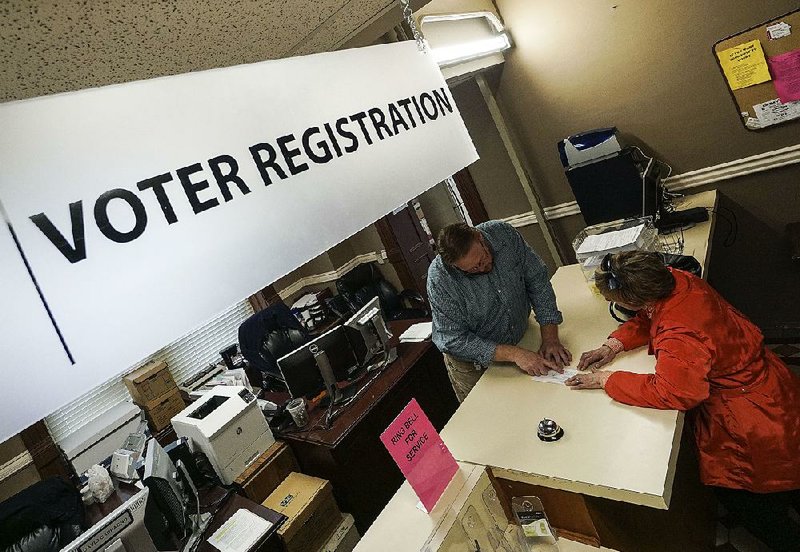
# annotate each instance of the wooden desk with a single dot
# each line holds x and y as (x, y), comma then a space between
(270, 542)
(350, 453)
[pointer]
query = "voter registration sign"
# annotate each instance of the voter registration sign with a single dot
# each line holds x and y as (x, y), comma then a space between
(135, 213)
(420, 454)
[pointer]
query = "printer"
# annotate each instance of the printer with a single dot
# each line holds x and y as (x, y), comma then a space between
(227, 425)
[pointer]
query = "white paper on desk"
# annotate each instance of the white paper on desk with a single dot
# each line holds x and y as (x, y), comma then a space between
(240, 533)
(554, 377)
(609, 241)
(418, 332)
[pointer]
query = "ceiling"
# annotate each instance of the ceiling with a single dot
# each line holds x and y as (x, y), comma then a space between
(52, 46)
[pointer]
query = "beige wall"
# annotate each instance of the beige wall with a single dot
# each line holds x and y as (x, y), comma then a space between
(645, 67)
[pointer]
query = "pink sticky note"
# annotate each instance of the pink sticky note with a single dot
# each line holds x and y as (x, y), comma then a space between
(420, 453)
(785, 70)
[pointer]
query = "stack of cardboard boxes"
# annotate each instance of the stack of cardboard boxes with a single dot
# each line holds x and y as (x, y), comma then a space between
(154, 390)
(314, 520)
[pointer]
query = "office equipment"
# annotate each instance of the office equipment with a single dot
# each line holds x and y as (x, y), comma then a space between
(175, 494)
(589, 146)
(370, 323)
(123, 461)
(303, 368)
(760, 105)
(197, 380)
(231, 357)
(609, 188)
(122, 530)
(227, 425)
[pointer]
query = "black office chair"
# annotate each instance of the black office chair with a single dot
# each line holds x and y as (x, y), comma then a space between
(365, 282)
(267, 336)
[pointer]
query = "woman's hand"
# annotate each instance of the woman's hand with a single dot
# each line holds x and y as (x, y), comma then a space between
(596, 358)
(592, 380)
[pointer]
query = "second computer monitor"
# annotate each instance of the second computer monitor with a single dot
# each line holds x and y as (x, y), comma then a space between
(368, 324)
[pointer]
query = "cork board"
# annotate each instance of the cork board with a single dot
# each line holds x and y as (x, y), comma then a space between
(759, 105)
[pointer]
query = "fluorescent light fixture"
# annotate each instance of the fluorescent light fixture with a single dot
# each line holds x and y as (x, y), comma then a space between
(454, 53)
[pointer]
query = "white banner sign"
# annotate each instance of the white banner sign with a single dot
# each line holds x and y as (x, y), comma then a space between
(144, 209)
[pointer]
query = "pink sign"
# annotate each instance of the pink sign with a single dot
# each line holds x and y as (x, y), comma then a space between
(420, 453)
(785, 70)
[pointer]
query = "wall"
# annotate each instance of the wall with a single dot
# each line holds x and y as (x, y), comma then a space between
(646, 67)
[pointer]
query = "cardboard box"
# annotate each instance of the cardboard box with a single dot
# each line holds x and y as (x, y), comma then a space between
(161, 410)
(344, 538)
(150, 382)
(267, 472)
(311, 510)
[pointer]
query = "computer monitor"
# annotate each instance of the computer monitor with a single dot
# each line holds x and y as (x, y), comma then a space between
(651, 189)
(610, 188)
(122, 530)
(175, 495)
(368, 332)
(303, 368)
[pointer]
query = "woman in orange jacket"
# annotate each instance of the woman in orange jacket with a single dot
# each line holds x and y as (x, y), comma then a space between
(743, 402)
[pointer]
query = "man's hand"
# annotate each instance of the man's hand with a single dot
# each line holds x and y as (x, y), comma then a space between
(596, 358)
(552, 349)
(535, 364)
(530, 362)
(594, 380)
(555, 352)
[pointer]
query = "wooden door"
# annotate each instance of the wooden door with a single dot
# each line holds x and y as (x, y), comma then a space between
(408, 246)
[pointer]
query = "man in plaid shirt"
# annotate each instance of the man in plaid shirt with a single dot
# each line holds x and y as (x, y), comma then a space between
(482, 287)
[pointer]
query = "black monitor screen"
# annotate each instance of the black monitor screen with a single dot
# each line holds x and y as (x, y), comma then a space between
(299, 368)
(608, 189)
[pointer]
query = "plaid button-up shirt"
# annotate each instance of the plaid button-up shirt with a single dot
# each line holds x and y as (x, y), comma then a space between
(473, 313)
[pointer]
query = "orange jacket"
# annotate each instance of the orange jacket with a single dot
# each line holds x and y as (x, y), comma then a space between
(710, 359)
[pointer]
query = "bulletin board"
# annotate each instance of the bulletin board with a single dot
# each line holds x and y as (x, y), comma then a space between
(761, 67)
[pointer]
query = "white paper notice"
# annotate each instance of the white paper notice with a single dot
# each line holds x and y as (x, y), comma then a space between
(773, 111)
(779, 30)
(554, 377)
(417, 332)
(610, 240)
(240, 533)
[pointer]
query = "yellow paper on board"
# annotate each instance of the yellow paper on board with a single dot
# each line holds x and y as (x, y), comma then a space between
(744, 65)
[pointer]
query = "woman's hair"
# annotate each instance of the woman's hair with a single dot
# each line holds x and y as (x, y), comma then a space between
(454, 241)
(634, 277)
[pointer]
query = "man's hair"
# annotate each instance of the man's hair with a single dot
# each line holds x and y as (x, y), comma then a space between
(454, 241)
(640, 276)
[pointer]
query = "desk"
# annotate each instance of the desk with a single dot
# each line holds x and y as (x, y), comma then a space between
(268, 543)
(350, 453)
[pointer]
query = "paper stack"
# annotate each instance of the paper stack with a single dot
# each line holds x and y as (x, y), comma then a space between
(612, 242)
(417, 332)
